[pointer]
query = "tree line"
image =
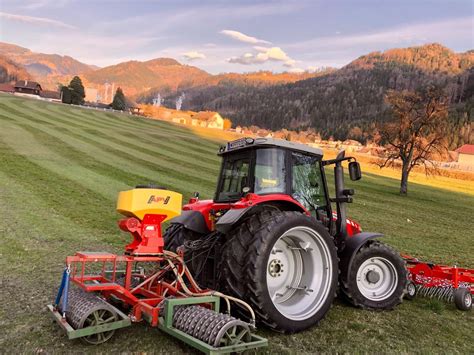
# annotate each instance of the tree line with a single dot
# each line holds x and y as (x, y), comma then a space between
(75, 94)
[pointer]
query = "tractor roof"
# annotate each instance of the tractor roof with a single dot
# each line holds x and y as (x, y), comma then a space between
(247, 143)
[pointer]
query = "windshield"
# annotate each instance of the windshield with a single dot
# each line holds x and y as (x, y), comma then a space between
(270, 176)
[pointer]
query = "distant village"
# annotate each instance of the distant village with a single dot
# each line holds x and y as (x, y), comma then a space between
(462, 158)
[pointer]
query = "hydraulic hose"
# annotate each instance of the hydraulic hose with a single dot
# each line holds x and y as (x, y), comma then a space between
(209, 293)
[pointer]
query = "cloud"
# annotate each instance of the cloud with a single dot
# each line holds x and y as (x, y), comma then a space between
(38, 4)
(274, 54)
(36, 20)
(289, 63)
(296, 70)
(239, 36)
(193, 55)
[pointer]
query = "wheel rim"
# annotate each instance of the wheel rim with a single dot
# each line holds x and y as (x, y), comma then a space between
(299, 273)
(377, 279)
(411, 289)
(468, 300)
(99, 317)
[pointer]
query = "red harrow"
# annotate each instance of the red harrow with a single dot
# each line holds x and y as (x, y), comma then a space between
(448, 283)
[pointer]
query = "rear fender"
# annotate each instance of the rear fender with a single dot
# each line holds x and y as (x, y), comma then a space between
(233, 216)
(352, 245)
(192, 220)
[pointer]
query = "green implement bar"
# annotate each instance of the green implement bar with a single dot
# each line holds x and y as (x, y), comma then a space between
(166, 325)
(79, 333)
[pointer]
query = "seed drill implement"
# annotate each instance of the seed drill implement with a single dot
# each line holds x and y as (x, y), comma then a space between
(101, 292)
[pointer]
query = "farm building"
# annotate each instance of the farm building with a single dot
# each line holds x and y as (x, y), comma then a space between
(7, 88)
(48, 95)
(181, 117)
(208, 119)
(466, 154)
(28, 87)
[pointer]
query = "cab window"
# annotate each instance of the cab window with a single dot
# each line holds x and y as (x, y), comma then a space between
(234, 178)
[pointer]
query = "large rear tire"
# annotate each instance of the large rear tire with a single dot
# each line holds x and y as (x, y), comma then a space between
(285, 265)
(175, 236)
(377, 279)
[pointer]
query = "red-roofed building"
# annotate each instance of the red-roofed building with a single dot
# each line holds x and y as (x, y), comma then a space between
(7, 88)
(466, 154)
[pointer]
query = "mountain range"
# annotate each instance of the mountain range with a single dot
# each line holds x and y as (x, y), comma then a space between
(344, 103)
(136, 78)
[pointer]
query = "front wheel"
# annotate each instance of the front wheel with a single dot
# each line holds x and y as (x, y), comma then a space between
(377, 278)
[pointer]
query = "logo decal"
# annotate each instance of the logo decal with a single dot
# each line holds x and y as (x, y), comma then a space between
(158, 199)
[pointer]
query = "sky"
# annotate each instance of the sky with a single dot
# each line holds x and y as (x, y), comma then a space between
(234, 36)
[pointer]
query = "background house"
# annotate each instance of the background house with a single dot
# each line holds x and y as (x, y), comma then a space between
(27, 87)
(181, 117)
(208, 119)
(466, 154)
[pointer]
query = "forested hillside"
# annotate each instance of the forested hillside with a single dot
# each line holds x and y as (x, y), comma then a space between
(347, 103)
(11, 71)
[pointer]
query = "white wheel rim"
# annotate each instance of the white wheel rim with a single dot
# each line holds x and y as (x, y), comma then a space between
(299, 273)
(411, 289)
(377, 279)
(468, 300)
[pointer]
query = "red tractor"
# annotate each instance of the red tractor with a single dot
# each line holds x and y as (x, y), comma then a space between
(270, 236)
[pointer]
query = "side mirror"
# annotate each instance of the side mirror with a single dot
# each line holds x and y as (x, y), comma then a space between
(354, 171)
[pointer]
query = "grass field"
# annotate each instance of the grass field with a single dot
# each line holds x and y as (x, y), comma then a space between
(62, 167)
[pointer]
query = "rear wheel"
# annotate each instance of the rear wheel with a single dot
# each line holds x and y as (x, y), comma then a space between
(175, 236)
(285, 265)
(377, 278)
(463, 299)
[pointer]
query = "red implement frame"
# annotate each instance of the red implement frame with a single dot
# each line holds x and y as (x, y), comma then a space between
(146, 298)
(432, 275)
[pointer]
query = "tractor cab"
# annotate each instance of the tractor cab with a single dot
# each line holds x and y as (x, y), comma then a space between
(265, 167)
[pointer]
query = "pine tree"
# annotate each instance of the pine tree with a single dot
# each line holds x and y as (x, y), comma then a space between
(65, 95)
(77, 91)
(119, 101)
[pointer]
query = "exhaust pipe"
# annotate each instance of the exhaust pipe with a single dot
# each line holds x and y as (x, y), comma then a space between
(341, 196)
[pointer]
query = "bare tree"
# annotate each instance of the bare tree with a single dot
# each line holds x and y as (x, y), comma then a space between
(417, 131)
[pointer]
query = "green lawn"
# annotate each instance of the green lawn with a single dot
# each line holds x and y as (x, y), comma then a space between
(61, 169)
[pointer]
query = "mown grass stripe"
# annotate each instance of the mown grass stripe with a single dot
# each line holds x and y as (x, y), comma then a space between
(168, 150)
(187, 142)
(170, 164)
(123, 121)
(61, 195)
(134, 171)
(38, 151)
(68, 146)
